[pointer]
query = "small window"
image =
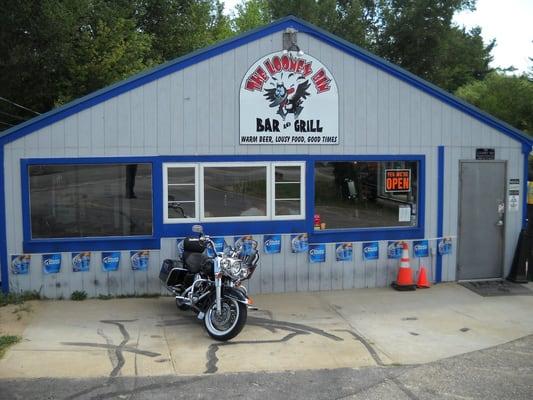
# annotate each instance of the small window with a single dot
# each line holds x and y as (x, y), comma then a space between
(366, 194)
(90, 200)
(245, 191)
(288, 191)
(180, 192)
(235, 192)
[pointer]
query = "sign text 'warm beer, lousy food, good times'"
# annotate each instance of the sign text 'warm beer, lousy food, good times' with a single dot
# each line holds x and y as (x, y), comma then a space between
(288, 99)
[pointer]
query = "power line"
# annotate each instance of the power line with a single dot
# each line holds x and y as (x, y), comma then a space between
(18, 105)
(13, 116)
(5, 123)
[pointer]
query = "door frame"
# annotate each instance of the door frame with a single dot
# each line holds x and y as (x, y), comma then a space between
(460, 191)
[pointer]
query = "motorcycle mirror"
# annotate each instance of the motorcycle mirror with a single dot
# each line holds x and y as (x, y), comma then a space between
(197, 229)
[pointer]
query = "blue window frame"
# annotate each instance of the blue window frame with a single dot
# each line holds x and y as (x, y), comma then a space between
(38, 242)
(161, 229)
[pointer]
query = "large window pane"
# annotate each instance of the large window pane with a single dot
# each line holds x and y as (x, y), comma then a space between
(353, 194)
(90, 200)
(235, 191)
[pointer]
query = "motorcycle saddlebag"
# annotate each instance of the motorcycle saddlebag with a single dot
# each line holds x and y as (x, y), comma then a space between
(172, 272)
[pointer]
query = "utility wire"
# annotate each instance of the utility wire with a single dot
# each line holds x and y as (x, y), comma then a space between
(18, 105)
(5, 123)
(13, 116)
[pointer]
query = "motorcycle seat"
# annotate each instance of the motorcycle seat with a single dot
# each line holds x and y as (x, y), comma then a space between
(196, 262)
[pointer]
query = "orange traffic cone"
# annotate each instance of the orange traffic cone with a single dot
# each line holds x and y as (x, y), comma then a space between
(404, 281)
(423, 282)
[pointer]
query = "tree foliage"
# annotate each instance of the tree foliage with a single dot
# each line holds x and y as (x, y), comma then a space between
(509, 98)
(52, 51)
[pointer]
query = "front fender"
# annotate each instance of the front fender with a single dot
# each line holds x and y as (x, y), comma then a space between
(236, 294)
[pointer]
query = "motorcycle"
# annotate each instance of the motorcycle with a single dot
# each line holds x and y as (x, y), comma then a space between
(210, 283)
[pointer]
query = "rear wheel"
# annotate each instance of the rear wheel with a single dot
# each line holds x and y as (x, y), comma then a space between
(229, 322)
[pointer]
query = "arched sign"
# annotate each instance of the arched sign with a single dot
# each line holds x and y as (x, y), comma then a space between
(289, 99)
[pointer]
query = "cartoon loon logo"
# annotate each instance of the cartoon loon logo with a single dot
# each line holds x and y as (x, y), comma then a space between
(288, 94)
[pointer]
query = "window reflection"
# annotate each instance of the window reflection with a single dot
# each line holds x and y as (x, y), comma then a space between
(90, 200)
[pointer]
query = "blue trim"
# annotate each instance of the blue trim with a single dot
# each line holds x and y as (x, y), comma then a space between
(80, 244)
(525, 150)
(92, 244)
(219, 228)
(222, 47)
(3, 227)
(440, 210)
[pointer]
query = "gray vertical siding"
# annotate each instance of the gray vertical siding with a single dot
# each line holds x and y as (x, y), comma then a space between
(196, 111)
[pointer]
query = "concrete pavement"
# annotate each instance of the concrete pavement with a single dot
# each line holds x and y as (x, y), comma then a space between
(302, 331)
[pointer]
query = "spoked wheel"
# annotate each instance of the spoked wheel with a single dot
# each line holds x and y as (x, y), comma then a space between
(229, 322)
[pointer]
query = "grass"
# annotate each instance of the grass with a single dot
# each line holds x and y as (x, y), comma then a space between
(18, 298)
(6, 341)
(78, 295)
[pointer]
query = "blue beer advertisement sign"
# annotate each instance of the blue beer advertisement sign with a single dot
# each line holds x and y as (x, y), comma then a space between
(317, 253)
(370, 251)
(245, 242)
(51, 263)
(445, 246)
(421, 248)
(81, 261)
(272, 244)
(344, 251)
(394, 250)
(179, 247)
(20, 264)
(299, 243)
(110, 261)
(139, 260)
(219, 246)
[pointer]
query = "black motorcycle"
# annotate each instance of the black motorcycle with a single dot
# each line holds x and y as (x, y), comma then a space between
(210, 283)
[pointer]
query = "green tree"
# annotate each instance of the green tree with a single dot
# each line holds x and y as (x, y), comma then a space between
(419, 36)
(509, 98)
(52, 51)
(251, 14)
(181, 26)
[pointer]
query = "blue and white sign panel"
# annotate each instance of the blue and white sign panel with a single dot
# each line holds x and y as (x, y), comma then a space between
(110, 261)
(179, 247)
(139, 260)
(344, 251)
(370, 251)
(272, 244)
(421, 248)
(220, 243)
(445, 246)
(20, 264)
(51, 263)
(299, 243)
(245, 242)
(317, 253)
(81, 261)
(394, 250)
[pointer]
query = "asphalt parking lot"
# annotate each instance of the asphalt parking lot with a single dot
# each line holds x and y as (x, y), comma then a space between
(346, 340)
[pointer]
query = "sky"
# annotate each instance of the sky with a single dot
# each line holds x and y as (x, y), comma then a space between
(510, 22)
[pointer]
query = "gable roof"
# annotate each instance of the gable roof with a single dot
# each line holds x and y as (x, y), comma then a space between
(177, 64)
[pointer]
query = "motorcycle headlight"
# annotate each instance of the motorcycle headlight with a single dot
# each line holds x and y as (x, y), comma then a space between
(224, 264)
(236, 269)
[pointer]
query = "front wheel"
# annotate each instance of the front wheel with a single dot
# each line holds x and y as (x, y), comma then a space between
(229, 322)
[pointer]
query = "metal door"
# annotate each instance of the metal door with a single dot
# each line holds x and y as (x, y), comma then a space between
(481, 219)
